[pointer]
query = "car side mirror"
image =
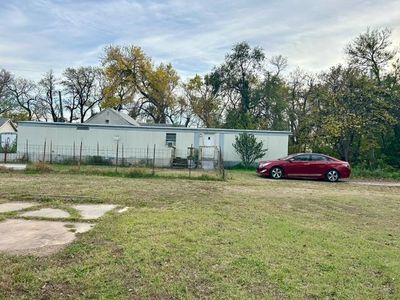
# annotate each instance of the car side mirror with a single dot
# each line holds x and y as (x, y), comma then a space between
(291, 160)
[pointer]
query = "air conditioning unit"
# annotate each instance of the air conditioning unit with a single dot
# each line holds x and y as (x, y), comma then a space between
(170, 144)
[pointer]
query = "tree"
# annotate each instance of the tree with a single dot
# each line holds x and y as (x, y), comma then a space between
(50, 97)
(23, 92)
(155, 85)
(5, 98)
(370, 51)
(237, 79)
(272, 100)
(301, 108)
(84, 88)
(248, 148)
(351, 112)
(203, 100)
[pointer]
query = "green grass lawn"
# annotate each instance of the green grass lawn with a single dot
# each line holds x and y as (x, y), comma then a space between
(243, 238)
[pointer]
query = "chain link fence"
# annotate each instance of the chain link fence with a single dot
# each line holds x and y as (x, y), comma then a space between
(206, 159)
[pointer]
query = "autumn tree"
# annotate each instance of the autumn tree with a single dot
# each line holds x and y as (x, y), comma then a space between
(204, 101)
(155, 85)
(351, 111)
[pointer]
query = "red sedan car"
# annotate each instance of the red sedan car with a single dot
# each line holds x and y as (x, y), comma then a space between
(305, 165)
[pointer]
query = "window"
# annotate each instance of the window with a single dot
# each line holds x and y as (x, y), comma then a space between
(303, 157)
(316, 157)
(107, 121)
(170, 139)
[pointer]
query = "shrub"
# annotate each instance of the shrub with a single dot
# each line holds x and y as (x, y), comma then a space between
(248, 148)
(98, 160)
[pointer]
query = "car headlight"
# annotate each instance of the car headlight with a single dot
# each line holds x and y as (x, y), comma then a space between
(263, 165)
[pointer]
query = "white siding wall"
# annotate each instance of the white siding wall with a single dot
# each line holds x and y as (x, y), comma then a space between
(277, 145)
(136, 141)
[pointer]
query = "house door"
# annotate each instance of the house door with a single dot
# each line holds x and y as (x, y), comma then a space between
(208, 153)
(209, 140)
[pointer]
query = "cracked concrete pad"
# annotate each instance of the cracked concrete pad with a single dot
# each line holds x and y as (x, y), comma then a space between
(14, 206)
(15, 167)
(122, 210)
(79, 227)
(38, 238)
(47, 213)
(93, 211)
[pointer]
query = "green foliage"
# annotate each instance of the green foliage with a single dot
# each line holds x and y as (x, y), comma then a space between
(98, 160)
(248, 148)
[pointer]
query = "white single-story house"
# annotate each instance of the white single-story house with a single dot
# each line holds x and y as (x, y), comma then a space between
(7, 126)
(8, 139)
(110, 130)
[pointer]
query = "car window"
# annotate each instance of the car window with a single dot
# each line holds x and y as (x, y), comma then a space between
(316, 157)
(302, 157)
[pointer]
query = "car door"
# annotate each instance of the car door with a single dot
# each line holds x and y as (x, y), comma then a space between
(318, 164)
(298, 166)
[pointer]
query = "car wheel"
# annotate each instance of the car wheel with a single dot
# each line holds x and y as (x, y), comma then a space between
(332, 175)
(276, 173)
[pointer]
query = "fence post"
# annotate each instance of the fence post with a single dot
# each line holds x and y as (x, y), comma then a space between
(122, 155)
(98, 149)
(44, 151)
(190, 159)
(80, 157)
(221, 163)
(147, 157)
(154, 159)
(26, 151)
(116, 158)
(51, 151)
(73, 154)
(5, 152)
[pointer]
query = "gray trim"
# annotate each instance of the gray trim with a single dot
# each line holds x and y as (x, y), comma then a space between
(221, 141)
(196, 139)
(152, 128)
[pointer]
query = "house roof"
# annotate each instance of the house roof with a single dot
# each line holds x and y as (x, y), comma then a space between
(125, 119)
(152, 128)
(4, 121)
(128, 118)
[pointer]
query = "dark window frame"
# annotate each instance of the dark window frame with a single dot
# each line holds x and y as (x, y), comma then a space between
(170, 138)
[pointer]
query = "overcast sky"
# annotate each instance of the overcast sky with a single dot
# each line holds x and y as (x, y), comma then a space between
(38, 35)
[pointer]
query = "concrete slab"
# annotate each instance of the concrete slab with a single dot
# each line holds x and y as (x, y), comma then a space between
(52, 213)
(93, 211)
(15, 206)
(38, 238)
(79, 227)
(122, 210)
(15, 167)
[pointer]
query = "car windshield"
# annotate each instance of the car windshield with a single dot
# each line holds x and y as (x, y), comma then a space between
(286, 157)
